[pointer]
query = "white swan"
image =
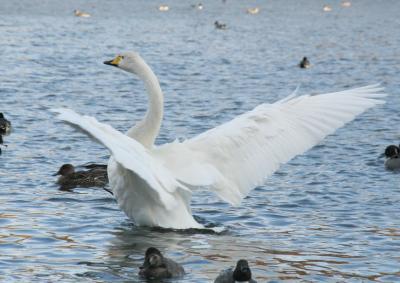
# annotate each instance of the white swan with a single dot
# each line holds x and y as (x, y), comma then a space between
(153, 184)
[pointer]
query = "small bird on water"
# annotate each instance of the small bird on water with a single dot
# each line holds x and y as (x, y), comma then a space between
(242, 273)
(81, 14)
(305, 63)
(253, 11)
(327, 8)
(5, 125)
(156, 266)
(219, 25)
(392, 153)
(96, 176)
(163, 8)
(5, 128)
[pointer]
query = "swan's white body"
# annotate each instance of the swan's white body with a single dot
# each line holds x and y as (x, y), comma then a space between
(153, 184)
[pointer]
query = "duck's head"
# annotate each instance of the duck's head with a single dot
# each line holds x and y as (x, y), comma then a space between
(128, 61)
(392, 151)
(153, 257)
(65, 170)
(242, 271)
(5, 125)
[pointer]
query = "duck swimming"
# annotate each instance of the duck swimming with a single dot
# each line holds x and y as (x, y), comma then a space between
(219, 25)
(242, 273)
(304, 63)
(5, 128)
(81, 14)
(96, 176)
(153, 184)
(198, 6)
(253, 11)
(392, 153)
(156, 266)
(163, 8)
(345, 4)
(327, 8)
(5, 125)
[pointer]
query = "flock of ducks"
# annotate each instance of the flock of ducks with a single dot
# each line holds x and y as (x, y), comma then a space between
(156, 267)
(199, 6)
(218, 25)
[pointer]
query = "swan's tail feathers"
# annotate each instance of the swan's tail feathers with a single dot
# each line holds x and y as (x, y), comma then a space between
(130, 154)
(252, 146)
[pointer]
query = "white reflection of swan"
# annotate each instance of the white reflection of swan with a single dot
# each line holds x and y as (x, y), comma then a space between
(153, 184)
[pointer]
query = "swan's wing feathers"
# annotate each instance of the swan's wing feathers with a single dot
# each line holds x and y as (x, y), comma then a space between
(128, 153)
(252, 146)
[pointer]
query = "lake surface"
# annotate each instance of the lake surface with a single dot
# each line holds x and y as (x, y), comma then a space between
(330, 215)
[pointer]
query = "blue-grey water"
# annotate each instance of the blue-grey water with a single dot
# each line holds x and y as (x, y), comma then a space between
(331, 215)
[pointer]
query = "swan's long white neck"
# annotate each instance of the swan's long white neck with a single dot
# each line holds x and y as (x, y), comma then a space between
(147, 129)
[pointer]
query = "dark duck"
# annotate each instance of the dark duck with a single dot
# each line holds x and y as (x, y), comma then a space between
(5, 128)
(156, 266)
(241, 273)
(95, 176)
(219, 25)
(304, 63)
(392, 153)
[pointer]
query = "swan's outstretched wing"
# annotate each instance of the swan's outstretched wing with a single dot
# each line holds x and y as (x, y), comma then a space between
(131, 155)
(242, 152)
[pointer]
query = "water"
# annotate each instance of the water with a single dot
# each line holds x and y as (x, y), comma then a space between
(329, 215)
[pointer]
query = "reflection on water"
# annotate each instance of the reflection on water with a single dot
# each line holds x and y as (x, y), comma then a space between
(330, 215)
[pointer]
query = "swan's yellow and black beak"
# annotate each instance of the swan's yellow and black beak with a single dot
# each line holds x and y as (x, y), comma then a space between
(114, 62)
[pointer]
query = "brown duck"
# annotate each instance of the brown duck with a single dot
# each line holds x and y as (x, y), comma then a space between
(95, 176)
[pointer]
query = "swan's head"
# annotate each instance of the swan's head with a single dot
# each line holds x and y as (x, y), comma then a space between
(128, 61)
